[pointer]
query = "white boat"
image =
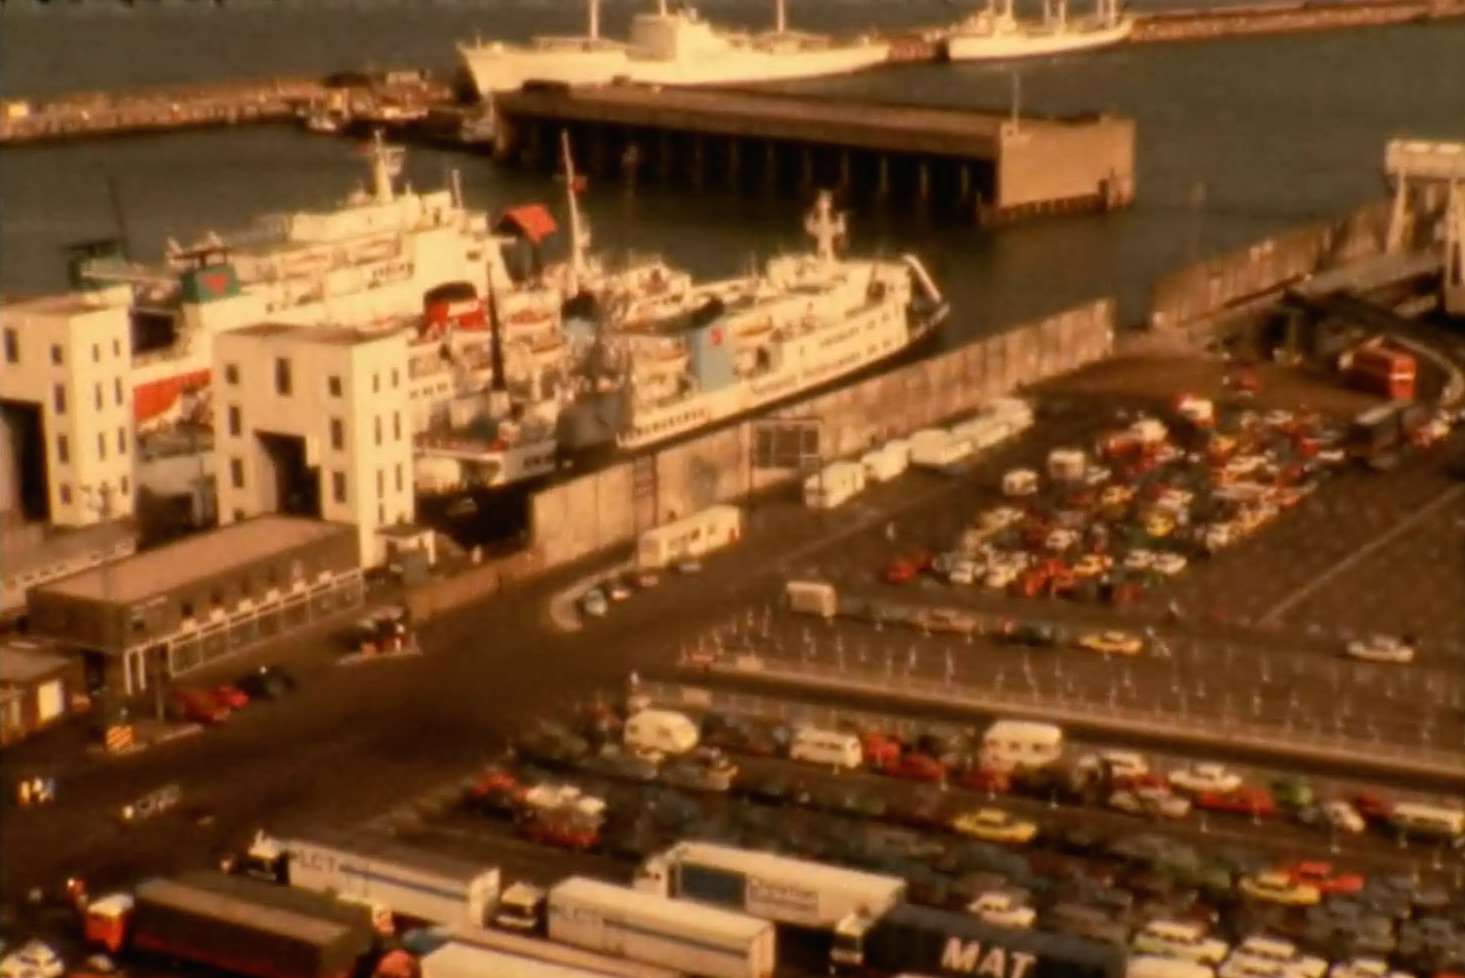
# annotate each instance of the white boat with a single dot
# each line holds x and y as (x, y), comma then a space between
(740, 344)
(996, 34)
(667, 47)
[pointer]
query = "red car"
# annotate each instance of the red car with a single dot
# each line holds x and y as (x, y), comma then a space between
(564, 833)
(197, 706)
(914, 766)
(495, 790)
(979, 778)
(880, 751)
(230, 696)
(1243, 801)
(1372, 805)
(901, 570)
(1321, 875)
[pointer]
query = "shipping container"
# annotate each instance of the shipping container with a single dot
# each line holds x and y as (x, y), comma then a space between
(777, 888)
(249, 927)
(908, 938)
(689, 937)
(689, 538)
(423, 886)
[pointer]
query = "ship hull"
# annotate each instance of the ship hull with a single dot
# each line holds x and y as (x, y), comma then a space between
(1021, 44)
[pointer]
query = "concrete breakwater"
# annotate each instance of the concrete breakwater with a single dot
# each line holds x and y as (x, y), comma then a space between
(1205, 23)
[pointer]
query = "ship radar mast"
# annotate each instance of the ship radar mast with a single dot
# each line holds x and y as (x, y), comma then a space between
(579, 227)
(386, 164)
(825, 225)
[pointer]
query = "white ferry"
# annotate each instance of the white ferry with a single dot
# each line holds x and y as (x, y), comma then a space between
(667, 47)
(741, 344)
(995, 34)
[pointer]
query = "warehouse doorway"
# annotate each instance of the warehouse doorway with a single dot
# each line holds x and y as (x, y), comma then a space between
(296, 485)
(23, 486)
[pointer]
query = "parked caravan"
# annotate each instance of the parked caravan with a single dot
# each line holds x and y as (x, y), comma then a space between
(459, 959)
(834, 485)
(831, 748)
(812, 598)
(690, 937)
(711, 529)
(1433, 822)
(1011, 744)
(1066, 464)
(983, 431)
(940, 451)
(661, 732)
(884, 464)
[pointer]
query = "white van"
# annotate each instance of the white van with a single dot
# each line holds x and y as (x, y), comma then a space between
(1011, 744)
(1429, 821)
(831, 748)
(1154, 966)
(661, 732)
(812, 598)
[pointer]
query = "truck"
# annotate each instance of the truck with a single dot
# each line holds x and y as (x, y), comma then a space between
(245, 926)
(1380, 370)
(781, 889)
(458, 959)
(1375, 434)
(834, 485)
(424, 886)
(812, 598)
(537, 949)
(688, 937)
(911, 939)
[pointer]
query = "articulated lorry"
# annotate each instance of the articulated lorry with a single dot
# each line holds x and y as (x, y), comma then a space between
(777, 888)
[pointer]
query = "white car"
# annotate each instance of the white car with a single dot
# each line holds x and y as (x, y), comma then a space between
(1001, 517)
(1271, 957)
(1020, 482)
(1061, 540)
(1000, 910)
(1097, 475)
(1365, 968)
(1169, 564)
(1381, 648)
(1139, 559)
(963, 570)
(1205, 777)
(1180, 939)
(999, 575)
(33, 959)
(1150, 801)
(1342, 816)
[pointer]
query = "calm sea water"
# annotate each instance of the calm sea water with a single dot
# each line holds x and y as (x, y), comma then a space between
(1236, 139)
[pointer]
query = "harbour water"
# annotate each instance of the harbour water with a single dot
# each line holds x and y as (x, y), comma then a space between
(1236, 139)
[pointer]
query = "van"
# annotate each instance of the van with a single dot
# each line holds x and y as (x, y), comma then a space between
(812, 598)
(828, 747)
(1429, 821)
(1011, 744)
(1154, 966)
(661, 732)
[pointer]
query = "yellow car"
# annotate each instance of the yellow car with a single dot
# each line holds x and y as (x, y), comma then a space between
(1159, 525)
(1092, 565)
(1112, 643)
(1115, 495)
(1279, 888)
(994, 825)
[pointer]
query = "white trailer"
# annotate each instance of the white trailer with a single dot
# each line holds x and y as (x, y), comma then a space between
(938, 453)
(539, 949)
(777, 888)
(459, 959)
(688, 937)
(409, 882)
(834, 485)
(885, 463)
(689, 538)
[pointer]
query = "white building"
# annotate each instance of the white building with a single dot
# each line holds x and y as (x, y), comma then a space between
(65, 373)
(315, 421)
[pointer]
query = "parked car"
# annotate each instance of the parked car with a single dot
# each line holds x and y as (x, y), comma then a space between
(495, 791)
(1256, 802)
(1112, 642)
(196, 706)
(1343, 816)
(1182, 939)
(915, 766)
(614, 761)
(594, 603)
(33, 959)
(994, 825)
(704, 769)
(230, 696)
(1150, 802)
(1381, 648)
(1320, 874)
(1205, 776)
(553, 745)
(1281, 888)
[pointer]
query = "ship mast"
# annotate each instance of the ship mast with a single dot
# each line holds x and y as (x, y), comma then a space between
(386, 162)
(593, 16)
(825, 226)
(780, 16)
(579, 228)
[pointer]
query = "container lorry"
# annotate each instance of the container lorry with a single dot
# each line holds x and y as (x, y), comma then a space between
(911, 939)
(689, 538)
(784, 890)
(459, 959)
(407, 882)
(538, 949)
(688, 937)
(245, 926)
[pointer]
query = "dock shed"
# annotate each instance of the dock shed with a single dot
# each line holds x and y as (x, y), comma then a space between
(38, 687)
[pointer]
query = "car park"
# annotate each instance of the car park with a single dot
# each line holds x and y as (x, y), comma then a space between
(1270, 955)
(1320, 874)
(1183, 939)
(1205, 776)
(994, 825)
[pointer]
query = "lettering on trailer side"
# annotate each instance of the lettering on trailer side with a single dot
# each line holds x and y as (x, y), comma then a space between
(968, 958)
(799, 900)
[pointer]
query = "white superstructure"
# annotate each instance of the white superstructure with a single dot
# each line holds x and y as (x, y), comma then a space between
(994, 33)
(743, 343)
(667, 47)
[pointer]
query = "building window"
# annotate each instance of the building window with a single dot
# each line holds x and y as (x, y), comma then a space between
(97, 396)
(282, 377)
(338, 486)
(381, 515)
(63, 449)
(96, 353)
(186, 609)
(377, 425)
(12, 347)
(381, 481)
(236, 424)
(333, 384)
(56, 356)
(65, 494)
(338, 434)
(236, 472)
(397, 425)
(121, 441)
(59, 396)
(101, 445)
(395, 379)
(126, 487)
(376, 383)
(117, 390)
(116, 347)
(399, 476)
(231, 373)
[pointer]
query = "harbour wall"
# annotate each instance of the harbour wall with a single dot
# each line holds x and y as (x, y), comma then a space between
(608, 508)
(1207, 23)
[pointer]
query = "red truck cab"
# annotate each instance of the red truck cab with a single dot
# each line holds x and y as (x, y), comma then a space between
(105, 922)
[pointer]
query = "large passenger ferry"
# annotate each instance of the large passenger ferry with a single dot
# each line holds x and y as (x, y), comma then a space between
(994, 33)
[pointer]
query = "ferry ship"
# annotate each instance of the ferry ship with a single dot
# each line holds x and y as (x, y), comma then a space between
(996, 34)
(668, 47)
(741, 344)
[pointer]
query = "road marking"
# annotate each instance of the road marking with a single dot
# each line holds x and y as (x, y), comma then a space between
(1305, 591)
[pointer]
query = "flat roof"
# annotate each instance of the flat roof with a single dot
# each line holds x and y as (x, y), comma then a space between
(168, 567)
(328, 335)
(59, 304)
(23, 661)
(59, 545)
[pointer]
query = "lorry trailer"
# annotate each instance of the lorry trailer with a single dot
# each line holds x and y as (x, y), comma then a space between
(784, 890)
(245, 926)
(406, 881)
(694, 939)
(459, 959)
(574, 958)
(909, 938)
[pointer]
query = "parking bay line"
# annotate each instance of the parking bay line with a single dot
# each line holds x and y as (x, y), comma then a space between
(1274, 614)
